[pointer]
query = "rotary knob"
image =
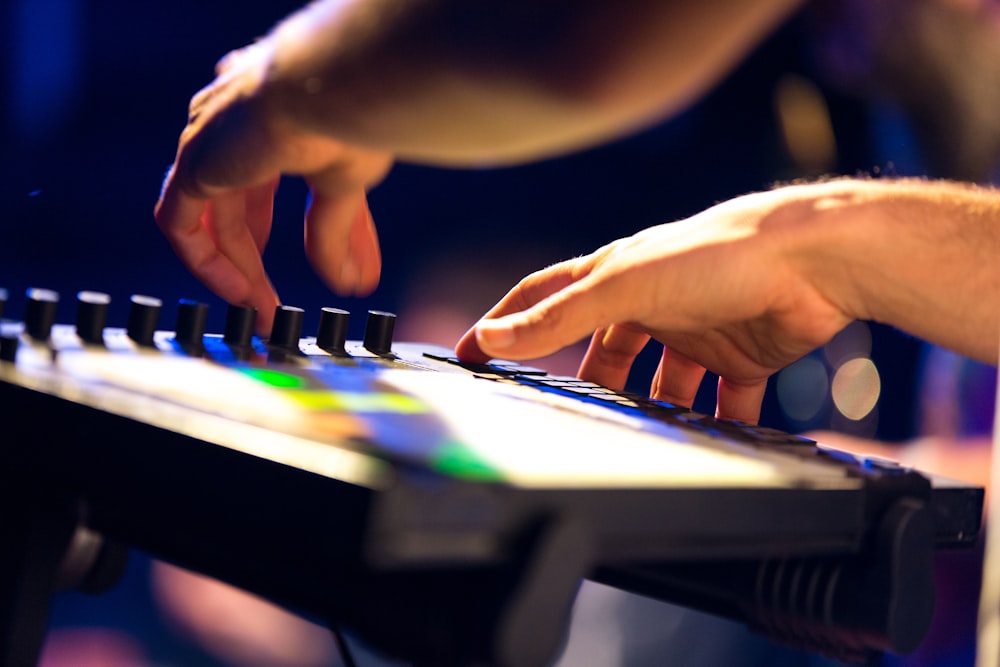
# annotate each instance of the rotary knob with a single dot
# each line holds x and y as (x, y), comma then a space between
(378, 332)
(143, 314)
(287, 328)
(10, 338)
(239, 325)
(191, 318)
(91, 314)
(332, 333)
(40, 312)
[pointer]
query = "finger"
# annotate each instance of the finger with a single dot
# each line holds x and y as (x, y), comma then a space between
(677, 379)
(341, 242)
(239, 57)
(228, 61)
(611, 354)
(740, 401)
(559, 320)
(179, 216)
(524, 295)
(226, 219)
(260, 212)
(365, 248)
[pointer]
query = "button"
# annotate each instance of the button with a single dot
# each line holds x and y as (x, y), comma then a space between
(3, 300)
(515, 367)
(191, 318)
(40, 313)
(882, 463)
(287, 328)
(378, 332)
(91, 314)
(144, 311)
(332, 333)
(239, 325)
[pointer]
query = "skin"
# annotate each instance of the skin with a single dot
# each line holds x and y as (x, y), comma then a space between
(339, 90)
(749, 286)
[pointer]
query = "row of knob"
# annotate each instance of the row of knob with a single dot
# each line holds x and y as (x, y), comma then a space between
(144, 312)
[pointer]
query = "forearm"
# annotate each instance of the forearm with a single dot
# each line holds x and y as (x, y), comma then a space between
(922, 256)
(446, 81)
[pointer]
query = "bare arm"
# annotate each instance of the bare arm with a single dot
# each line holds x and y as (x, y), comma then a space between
(923, 256)
(458, 82)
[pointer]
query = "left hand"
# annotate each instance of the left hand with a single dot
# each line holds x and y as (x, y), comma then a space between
(216, 204)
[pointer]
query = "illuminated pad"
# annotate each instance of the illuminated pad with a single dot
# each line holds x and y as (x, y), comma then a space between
(454, 424)
(524, 438)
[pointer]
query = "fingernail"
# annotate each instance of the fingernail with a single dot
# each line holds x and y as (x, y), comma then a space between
(350, 276)
(495, 334)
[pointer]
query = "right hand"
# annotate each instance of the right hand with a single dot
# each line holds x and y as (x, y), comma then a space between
(720, 291)
(217, 201)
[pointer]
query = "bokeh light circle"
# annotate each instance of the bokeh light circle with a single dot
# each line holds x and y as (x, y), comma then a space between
(856, 387)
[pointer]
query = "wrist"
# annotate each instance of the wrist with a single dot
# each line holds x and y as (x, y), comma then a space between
(914, 254)
(842, 235)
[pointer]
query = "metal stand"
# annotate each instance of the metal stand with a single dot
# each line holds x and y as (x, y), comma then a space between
(514, 615)
(44, 547)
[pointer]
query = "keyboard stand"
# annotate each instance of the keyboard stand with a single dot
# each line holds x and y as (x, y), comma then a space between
(510, 615)
(45, 549)
(516, 613)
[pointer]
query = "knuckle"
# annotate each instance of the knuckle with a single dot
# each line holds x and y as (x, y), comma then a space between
(199, 100)
(226, 61)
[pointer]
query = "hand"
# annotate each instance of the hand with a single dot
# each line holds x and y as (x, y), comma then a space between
(217, 201)
(722, 291)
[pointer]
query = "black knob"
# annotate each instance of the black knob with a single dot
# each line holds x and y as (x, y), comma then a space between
(378, 332)
(191, 318)
(143, 314)
(332, 333)
(3, 300)
(91, 314)
(40, 313)
(9, 340)
(287, 328)
(239, 325)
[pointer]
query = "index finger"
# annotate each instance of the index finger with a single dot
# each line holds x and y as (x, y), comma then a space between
(180, 217)
(531, 290)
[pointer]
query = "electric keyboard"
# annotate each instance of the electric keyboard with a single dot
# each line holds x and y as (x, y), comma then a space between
(444, 511)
